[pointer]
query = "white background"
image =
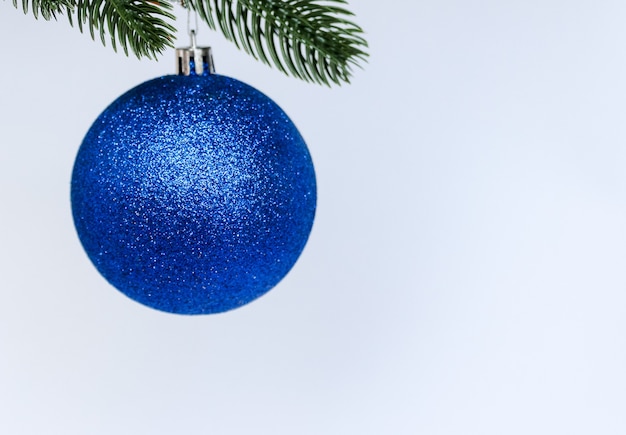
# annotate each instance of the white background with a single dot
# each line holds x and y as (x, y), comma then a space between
(467, 269)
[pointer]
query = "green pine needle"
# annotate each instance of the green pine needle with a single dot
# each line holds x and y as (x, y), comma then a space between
(137, 25)
(314, 40)
(48, 9)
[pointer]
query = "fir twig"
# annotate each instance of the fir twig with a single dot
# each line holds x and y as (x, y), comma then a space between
(136, 24)
(48, 9)
(314, 40)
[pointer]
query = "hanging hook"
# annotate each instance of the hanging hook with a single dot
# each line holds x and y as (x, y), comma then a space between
(192, 31)
(193, 60)
(192, 35)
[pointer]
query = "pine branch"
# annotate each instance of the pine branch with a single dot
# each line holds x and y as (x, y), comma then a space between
(138, 25)
(312, 39)
(48, 9)
(135, 24)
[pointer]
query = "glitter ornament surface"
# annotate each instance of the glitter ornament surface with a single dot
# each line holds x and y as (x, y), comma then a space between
(193, 194)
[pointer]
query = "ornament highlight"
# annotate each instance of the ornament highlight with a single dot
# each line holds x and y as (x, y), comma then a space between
(193, 194)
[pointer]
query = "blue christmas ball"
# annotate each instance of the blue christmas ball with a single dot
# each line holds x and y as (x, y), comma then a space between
(193, 194)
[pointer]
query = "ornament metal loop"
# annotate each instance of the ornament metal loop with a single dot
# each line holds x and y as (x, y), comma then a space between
(194, 61)
(190, 30)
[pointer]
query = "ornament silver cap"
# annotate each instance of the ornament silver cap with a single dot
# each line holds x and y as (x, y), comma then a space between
(194, 60)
